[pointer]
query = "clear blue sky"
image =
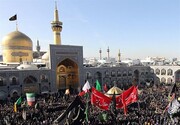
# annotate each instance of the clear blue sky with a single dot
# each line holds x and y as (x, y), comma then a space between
(139, 28)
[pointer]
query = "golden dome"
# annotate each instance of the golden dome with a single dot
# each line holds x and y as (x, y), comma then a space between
(17, 47)
(114, 90)
(16, 38)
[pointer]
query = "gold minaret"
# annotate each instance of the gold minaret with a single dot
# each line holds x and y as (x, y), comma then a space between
(56, 27)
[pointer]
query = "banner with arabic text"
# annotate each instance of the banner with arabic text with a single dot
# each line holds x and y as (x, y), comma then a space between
(100, 100)
(130, 96)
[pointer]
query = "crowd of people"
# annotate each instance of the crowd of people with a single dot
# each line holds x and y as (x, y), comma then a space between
(149, 110)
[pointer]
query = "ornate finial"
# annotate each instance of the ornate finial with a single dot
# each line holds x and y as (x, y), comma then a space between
(56, 16)
(55, 5)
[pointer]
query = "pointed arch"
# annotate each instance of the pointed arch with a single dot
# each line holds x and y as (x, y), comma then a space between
(30, 79)
(163, 80)
(169, 80)
(106, 73)
(157, 71)
(124, 72)
(30, 84)
(14, 80)
(169, 72)
(67, 74)
(163, 72)
(88, 75)
(113, 73)
(119, 72)
(43, 78)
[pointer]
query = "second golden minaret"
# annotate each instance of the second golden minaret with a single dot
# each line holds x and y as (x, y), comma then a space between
(56, 27)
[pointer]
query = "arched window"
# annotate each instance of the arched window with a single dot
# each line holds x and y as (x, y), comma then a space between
(163, 72)
(157, 71)
(44, 78)
(113, 73)
(163, 80)
(61, 69)
(106, 74)
(124, 73)
(119, 73)
(14, 80)
(169, 80)
(130, 73)
(169, 72)
(88, 75)
(30, 79)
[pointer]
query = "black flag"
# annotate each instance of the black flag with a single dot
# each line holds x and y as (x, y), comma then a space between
(73, 115)
(13, 18)
(174, 89)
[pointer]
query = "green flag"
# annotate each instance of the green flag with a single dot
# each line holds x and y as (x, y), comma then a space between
(98, 86)
(18, 102)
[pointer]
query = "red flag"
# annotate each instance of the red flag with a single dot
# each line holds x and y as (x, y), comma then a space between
(105, 88)
(82, 93)
(130, 96)
(124, 104)
(119, 103)
(100, 100)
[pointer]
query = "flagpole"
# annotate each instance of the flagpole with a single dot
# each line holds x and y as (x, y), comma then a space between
(14, 18)
(138, 106)
(86, 110)
(16, 25)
